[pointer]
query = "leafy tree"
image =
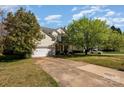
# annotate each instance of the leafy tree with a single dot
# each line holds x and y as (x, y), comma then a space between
(123, 40)
(1, 30)
(114, 42)
(119, 30)
(113, 28)
(87, 33)
(23, 33)
(116, 29)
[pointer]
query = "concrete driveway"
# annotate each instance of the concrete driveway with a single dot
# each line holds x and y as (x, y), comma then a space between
(78, 74)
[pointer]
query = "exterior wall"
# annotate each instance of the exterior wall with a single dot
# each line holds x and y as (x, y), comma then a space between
(54, 34)
(60, 31)
(46, 47)
(46, 41)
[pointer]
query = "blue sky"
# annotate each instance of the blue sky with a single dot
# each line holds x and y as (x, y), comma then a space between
(61, 15)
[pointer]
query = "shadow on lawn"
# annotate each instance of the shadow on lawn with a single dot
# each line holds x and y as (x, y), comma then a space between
(81, 55)
(9, 58)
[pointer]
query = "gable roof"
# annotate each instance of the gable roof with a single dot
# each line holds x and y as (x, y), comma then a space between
(49, 32)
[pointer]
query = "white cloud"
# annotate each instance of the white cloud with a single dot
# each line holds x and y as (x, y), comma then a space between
(8, 7)
(53, 18)
(82, 13)
(77, 16)
(13, 8)
(80, 8)
(74, 9)
(91, 11)
(95, 8)
(119, 22)
(119, 25)
(101, 18)
(110, 13)
(38, 18)
(104, 19)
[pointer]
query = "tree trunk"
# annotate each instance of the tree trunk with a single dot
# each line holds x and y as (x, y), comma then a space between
(86, 51)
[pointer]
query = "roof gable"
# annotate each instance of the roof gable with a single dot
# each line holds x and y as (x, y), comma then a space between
(50, 32)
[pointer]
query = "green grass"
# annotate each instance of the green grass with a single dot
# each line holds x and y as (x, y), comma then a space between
(116, 52)
(23, 73)
(116, 62)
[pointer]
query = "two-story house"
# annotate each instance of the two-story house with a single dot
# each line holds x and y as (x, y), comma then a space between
(49, 45)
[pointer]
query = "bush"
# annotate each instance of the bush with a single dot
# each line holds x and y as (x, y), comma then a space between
(16, 54)
(7, 58)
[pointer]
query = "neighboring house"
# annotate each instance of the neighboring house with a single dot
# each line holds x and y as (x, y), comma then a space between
(49, 46)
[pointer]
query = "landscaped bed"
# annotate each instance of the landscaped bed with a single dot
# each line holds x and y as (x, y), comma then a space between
(23, 73)
(115, 61)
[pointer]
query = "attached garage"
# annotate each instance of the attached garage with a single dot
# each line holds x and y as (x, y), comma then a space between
(43, 52)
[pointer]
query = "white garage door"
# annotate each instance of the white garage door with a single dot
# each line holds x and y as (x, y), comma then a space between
(42, 52)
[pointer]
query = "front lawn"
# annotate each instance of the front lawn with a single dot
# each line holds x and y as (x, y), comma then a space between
(115, 52)
(115, 61)
(23, 73)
